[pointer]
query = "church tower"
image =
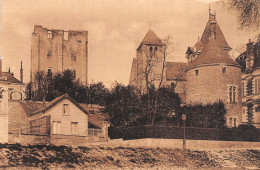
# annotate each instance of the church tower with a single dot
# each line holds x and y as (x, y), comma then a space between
(148, 64)
(212, 75)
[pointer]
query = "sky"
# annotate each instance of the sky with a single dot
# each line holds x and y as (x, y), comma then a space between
(115, 29)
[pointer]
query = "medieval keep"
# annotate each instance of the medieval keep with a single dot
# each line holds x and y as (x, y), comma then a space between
(57, 50)
(209, 75)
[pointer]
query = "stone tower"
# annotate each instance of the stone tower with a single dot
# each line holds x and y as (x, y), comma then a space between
(212, 75)
(148, 64)
(58, 50)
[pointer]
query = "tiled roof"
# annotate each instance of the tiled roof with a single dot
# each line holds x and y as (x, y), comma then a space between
(36, 107)
(212, 53)
(8, 77)
(219, 36)
(175, 70)
(151, 39)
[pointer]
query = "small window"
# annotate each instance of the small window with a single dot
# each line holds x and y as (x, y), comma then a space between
(74, 128)
(197, 72)
(223, 70)
(257, 86)
(173, 87)
(232, 93)
(155, 49)
(49, 73)
(49, 34)
(79, 41)
(243, 89)
(56, 126)
(49, 54)
(235, 122)
(66, 35)
(66, 110)
(73, 56)
(230, 122)
(151, 49)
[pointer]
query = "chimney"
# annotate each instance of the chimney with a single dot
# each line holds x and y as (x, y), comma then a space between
(250, 48)
(21, 72)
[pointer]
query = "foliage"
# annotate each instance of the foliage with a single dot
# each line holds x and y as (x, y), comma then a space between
(246, 127)
(247, 13)
(48, 87)
(122, 105)
(208, 116)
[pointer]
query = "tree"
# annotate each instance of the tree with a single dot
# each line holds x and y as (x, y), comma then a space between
(247, 13)
(122, 105)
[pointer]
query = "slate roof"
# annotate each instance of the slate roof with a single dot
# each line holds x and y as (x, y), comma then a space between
(219, 36)
(212, 53)
(9, 78)
(175, 70)
(151, 39)
(35, 107)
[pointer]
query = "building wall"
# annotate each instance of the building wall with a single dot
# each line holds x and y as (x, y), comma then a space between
(61, 49)
(211, 85)
(4, 115)
(142, 56)
(75, 115)
(253, 98)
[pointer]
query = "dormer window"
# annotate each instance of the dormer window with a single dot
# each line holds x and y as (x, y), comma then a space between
(49, 34)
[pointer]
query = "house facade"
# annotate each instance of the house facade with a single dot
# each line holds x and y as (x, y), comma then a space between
(60, 122)
(250, 63)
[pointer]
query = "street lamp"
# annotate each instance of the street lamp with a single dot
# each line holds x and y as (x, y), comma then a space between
(184, 140)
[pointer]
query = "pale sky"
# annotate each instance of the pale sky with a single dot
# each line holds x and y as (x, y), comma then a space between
(115, 28)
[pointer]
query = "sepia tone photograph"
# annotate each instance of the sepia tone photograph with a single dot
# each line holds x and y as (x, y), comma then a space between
(130, 84)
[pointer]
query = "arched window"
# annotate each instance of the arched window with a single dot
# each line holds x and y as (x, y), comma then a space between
(155, 49)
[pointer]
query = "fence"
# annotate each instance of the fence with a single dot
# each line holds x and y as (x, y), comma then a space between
(173, 132)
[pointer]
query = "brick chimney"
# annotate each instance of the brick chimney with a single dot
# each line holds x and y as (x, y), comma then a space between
(21, 72)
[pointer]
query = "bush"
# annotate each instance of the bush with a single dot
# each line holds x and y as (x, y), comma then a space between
(246, 127)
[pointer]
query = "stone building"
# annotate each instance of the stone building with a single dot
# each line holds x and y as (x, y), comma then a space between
(58, 50)
(212, 75)
(148, 65)
(209, 75)
(250, 63)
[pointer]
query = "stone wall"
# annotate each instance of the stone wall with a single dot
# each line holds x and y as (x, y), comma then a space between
(211, 85)
(60, 51)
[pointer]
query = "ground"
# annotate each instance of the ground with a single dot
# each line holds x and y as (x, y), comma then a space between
(100, 157)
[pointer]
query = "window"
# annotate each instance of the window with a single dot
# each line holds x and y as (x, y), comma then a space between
(66, 109)
(257, 86)
(66, 35)
(230, 122)
(223, 70)
(232, 93)
(49, 34)
(74, 127)
(49, 73)
(235, 122)
(155, 49)
(73, 56)
(197, 72)
(49, 54)
(243, 89)
(56, 127)
(173, 87)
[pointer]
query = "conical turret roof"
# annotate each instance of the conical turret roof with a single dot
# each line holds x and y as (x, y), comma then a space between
(219, 36)
(151, 39)
(212, 53)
